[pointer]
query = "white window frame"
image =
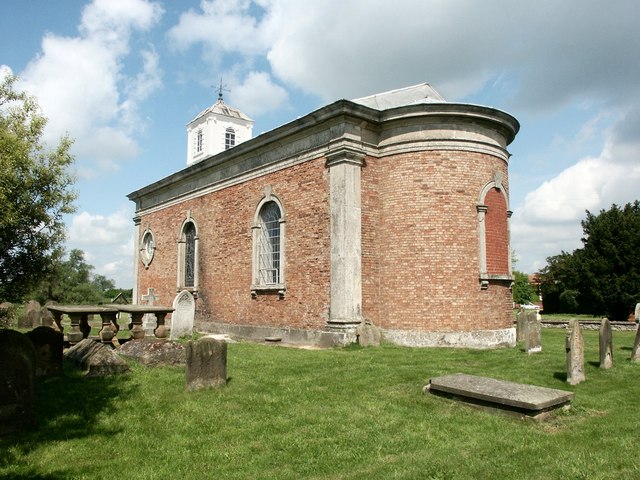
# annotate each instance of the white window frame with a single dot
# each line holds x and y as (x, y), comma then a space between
(229, 138)
(258, 284)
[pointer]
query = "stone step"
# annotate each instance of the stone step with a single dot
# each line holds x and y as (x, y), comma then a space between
(500, 395)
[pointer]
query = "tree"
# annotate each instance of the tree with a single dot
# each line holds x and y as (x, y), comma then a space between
(72, 281)
(35, 193)
(522, 291)
(603, 277)
(612, 260)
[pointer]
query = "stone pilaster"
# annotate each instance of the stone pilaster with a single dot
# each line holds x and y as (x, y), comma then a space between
(346, 246)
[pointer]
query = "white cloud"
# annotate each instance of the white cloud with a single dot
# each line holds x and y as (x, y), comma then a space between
(77, 80)
(107, 241)
(258, 94)
(549, 220)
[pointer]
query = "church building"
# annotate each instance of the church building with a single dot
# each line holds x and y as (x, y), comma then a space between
(391, 209)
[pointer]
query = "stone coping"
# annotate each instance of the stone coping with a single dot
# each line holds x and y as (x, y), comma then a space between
(528, 400)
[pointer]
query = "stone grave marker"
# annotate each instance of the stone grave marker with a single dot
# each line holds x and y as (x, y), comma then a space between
(532, 332)
(368, 334)
(49, 346)
(635, 353)
(31, 317)
(96, 358)
(606, 344)
(520, 325)
(149, 319)
(206, 363)
(7, 313)
(637, 313)
(575, 353)
(17, 381)
(183, 316)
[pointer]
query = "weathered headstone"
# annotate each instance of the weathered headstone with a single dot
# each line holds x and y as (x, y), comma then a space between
(96, 358)
(532, 332)
(31, 317)
(368, 334)
(153, 351)
(46, 317)
(606, 344)
(17, 381)
(49, 346)
(206, 363)
(637, 313)
(520, 325)
(149, 319)
(575, 353)
(183, 316)
(635, 353)
(7, 314)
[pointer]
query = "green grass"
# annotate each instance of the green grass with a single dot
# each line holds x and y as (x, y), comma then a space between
(348, 413)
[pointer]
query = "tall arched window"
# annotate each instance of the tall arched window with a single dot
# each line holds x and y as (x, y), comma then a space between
(268, 246)
(188, 256)
(493, 233)
(229, 138)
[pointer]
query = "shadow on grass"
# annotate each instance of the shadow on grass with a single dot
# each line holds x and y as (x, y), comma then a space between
(68, 406)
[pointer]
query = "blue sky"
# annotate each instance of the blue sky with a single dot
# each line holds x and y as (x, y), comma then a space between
(123, 78)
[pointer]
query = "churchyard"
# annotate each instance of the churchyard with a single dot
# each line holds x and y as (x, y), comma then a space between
(336, 414)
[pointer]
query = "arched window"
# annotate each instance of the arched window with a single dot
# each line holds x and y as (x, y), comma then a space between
(268, 246)
(229, 138)
(188, 256)
(493, 233)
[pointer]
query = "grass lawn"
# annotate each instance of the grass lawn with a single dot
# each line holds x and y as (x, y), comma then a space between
(348, 413)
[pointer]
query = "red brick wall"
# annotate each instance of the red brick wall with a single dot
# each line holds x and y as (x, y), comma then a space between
(224, 220)
(422, 208)
(497, 240)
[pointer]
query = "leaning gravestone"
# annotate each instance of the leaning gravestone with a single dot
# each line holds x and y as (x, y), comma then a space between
(17, 381)
(606, 344)
(183, 316)
(532, 332)
(49, 345)
(96, 358)
(206, 363)
(575, 353)
(31, 317)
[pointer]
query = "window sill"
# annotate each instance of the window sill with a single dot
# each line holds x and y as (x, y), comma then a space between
(268, 289)
(486, 279)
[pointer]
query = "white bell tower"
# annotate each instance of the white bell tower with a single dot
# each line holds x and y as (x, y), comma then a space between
(215, 130)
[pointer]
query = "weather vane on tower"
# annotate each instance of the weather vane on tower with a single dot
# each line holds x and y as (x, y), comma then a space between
(221, 88)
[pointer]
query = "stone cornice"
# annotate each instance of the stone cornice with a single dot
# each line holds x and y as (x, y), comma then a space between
(342, 125)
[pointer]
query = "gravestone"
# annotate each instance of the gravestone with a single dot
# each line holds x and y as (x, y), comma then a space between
(31, 317)
(520, 325)
(95, 358)
(635, 353)
(606, 344)
(149, 319)
(368, 334)
(183, 316)
(152, 351)
(206, 363)
(7, 314)
(46, 317)
(49, 346)
(574, 343)
(17, 381)
(637, 313)
(532, 332)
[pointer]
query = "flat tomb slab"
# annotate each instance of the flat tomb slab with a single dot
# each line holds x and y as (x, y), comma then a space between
(521, 399)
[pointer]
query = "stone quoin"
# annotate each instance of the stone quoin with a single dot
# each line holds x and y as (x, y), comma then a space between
(392, 207)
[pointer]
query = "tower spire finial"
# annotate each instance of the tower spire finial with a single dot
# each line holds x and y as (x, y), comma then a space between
(221, 88)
